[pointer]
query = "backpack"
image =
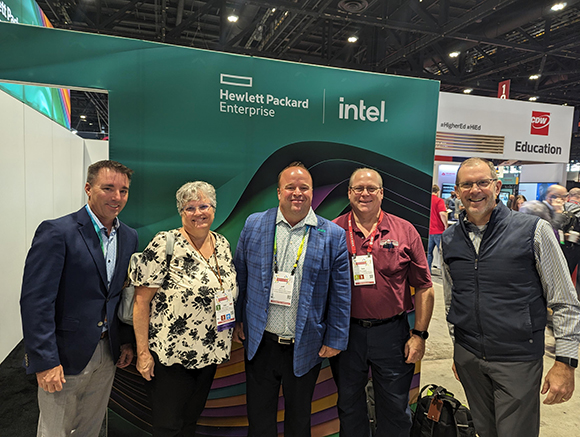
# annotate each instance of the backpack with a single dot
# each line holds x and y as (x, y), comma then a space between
(439, 414)
(127, 301)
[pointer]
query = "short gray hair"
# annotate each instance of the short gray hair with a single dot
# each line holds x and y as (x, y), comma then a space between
(472, 162)
(537, 208)
(195, 191)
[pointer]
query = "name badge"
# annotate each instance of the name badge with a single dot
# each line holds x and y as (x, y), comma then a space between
(225, 314)
(363, 270)
(281, 291)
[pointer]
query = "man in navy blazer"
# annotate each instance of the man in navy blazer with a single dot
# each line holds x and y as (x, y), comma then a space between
(293, 309)
(73, 277)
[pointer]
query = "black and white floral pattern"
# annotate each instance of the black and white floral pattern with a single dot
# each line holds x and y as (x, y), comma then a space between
(182, 326)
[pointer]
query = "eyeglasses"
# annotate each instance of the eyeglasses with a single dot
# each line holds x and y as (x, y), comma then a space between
(482, 183)
(557, 196)
(204, 207)
(370, 190)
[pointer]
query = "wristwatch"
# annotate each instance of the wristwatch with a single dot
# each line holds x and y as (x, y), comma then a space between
(425, 335)
(572, 362)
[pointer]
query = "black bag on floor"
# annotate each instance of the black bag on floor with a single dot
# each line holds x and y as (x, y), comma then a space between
(439, 414)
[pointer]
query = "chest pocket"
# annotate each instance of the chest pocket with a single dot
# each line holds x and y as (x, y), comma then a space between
(390, 260)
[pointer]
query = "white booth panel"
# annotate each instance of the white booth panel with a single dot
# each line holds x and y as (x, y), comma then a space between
(39, 172)
(61, 163)
(13, 215)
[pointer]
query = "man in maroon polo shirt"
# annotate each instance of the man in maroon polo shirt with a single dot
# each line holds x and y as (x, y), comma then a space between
(387, 259)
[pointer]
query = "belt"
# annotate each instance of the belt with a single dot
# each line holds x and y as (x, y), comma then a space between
(287, 341)
(369, 323)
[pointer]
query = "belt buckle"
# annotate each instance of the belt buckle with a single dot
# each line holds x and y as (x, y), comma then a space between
(366, 324)
(285, 340)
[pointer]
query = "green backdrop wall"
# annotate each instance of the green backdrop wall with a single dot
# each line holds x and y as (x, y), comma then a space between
(179, 114)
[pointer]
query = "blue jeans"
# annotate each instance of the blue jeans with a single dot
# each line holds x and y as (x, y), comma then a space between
(434, 241)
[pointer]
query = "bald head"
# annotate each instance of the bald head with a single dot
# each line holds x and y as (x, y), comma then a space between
(556, 193)
(574, 195)
(369, 172)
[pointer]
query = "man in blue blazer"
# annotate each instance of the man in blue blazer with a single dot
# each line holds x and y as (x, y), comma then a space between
(293, 309)
(73, 278)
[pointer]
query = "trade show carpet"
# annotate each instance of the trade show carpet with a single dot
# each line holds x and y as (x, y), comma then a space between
(18, 405)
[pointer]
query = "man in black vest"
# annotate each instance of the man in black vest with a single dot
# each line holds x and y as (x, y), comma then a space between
(501, 269)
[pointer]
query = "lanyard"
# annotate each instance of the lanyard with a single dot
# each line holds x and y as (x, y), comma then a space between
(216, 272)
(297, 256)
(372, 234)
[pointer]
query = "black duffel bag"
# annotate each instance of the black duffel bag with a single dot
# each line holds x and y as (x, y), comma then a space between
(439, 414)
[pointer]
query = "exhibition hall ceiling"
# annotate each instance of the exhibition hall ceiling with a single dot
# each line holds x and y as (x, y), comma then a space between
(464, 44)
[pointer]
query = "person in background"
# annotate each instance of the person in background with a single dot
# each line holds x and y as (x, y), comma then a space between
(556, 196)
(437, 225)
(574, 196)
(294, 304)
(518, 201)
(501, 270)
(450, 205)
(183, 314)
(388, 258)
(510, 203)
(73, 277)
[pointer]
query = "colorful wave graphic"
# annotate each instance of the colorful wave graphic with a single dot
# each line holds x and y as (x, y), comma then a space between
(407, 195)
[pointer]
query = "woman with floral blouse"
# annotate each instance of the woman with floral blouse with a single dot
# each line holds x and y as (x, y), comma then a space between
(183, 313)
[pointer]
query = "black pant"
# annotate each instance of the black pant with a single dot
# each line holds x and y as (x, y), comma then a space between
(177, 396)
(382, 348)
(270, 367)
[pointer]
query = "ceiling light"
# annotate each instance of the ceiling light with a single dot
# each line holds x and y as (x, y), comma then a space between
(558, 6)
(233, 18)
(352, 39)
(84, 117)
(467, 90)
(454, 54)
(273, 10)
(534, 77)
(74, 131)
(533, 99)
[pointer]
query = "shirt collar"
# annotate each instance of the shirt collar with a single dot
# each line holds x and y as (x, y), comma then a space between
(309, 220)
(474, 228)
(96, 220)
(383, 225)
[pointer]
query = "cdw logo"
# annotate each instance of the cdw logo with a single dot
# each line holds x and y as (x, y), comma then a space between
(540, 123)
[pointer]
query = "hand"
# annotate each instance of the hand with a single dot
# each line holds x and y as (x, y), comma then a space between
(414, 349)
(327, 352)
(51, 380)
(145, 365)
(558, 205)
(126, 356)
(559, 384)
(455, 372)
(238, 335)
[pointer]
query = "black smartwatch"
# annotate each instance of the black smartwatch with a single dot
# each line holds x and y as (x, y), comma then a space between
(572, 362)
(425, 335)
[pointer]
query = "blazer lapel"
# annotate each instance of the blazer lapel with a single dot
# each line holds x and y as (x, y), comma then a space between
(267, 248)
(312, 264)
(124, 251)
(91, 239)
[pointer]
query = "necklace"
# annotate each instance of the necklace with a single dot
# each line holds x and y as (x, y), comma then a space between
(215, 271)
(198, 249)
